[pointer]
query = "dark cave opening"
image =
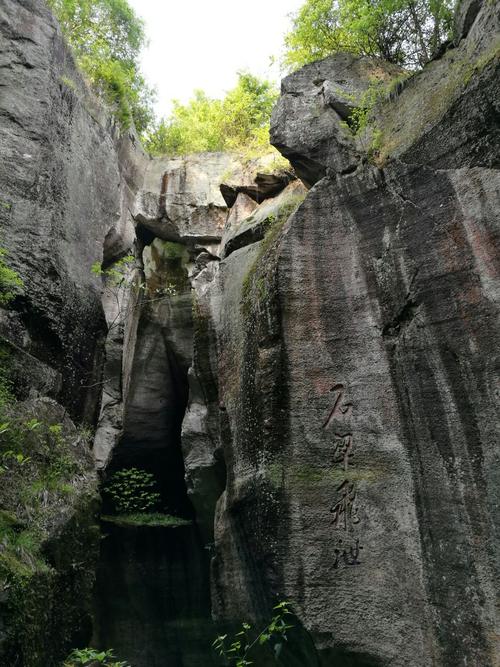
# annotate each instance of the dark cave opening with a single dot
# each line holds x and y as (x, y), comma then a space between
(152, 594)
(167, 468)
(152, 435)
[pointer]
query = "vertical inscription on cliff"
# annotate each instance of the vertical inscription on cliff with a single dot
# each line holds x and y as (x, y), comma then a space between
(344, 508)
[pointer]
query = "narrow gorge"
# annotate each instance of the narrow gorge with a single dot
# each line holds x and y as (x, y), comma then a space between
(305, 359)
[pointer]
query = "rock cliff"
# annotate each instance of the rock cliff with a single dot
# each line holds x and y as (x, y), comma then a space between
(308, 365)
(67, 182)
(356, 378)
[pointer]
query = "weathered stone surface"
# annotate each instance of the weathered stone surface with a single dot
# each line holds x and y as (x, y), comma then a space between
(122, 308)
(63, 193)
(28, 375)
(337, 369)
(306, 123)
(181, 199)
(242, 208)
(253, 227)
(205, 470)
(67, 181)
(355, 404)
(465, 15)
(356, 389)
(259, 179)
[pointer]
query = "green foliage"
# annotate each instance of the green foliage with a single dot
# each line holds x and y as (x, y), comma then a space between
(45, 475)
(132, 490)
(239, 650)
(316, 33)
(10, 281)
(107, 37)
(39, 466)
(89, 657)
(404, 32)
(359, 117)
(116, 275)
(239, 121)
(6, 393)
(40, 448)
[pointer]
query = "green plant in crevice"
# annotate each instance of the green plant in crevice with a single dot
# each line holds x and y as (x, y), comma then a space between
(7, 397)
(117, 274)
(359, 117)
(10, 281)
(132, 490)
(90, 657)
(361, 123)
(238, 650)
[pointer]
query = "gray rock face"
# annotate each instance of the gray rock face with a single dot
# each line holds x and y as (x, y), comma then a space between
(253, 228)
(306, 124)
(186, 199)
(65, 195)
(356, 389)
(181, 198)
(374, 331)
(67, 182)
(258, 180)
(465, 15)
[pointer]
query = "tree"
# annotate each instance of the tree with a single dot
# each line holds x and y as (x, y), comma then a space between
(238, 121)
(404, 32)
(107, 37)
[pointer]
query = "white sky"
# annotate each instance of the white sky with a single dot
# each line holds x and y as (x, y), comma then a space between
(203, 43)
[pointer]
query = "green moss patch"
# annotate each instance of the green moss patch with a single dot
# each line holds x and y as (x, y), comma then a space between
(426, 99)
(255, 282)
(154, 520)
(303, 477)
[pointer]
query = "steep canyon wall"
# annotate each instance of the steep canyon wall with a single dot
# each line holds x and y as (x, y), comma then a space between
(308, 365)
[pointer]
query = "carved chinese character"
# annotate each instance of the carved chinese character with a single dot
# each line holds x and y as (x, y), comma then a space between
(344, 512)
(340, 409)
(342, 452)
(349, 556)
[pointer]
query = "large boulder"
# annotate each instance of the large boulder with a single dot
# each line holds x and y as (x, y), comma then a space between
(181, 199)
(309, 125)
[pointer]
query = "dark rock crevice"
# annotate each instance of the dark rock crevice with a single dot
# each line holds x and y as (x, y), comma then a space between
(403, 318)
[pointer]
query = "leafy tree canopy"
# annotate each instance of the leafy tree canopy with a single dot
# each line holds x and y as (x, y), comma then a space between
(404, 32)
(107, 37)
(239, 121)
